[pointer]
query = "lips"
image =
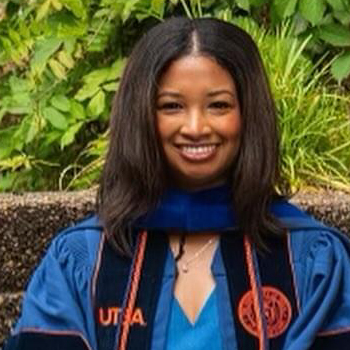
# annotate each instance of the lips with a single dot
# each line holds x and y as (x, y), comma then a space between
(197, 152)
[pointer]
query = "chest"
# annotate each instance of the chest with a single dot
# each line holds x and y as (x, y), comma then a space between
(149, 318)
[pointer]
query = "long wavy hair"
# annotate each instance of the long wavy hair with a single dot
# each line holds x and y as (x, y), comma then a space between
(134, 176)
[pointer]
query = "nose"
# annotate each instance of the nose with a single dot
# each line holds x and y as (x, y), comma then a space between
(195, 125)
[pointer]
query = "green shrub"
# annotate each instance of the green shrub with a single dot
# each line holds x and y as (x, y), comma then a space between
(314, 121)
(60, 63)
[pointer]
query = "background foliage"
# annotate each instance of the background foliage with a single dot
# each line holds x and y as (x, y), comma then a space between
(61, 60)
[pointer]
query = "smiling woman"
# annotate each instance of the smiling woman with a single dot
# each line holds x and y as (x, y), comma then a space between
(192, 248)
(198, 124)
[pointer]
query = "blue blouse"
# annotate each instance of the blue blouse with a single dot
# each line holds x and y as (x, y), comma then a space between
(203, 334)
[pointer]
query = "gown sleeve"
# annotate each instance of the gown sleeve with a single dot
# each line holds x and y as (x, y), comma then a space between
(322, 268)
(55, 311)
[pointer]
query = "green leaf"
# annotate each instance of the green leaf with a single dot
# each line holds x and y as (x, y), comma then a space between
(44, 49)
(341, 66)
(77, 110)
(61, 102)
(335, 34)
(69, 45)
(14, 36)
(76, 6)
(115, 5)
(15, 162)
(97, 104)
(244, 4)
(51, 136)
(24, 30)
(57, 69)
(257, 3)
(94, 79)
(18, 85)
(2, 113)
(326, 20)
(129, 7)
(342, 16)
(158, 7)
(338, 5)
(56, 4)
(7, 141)
(33, 130)
(20, 103)
(110, 86)
(116, 69)
(284, 8)
(66, 59)
(86, 91)
(312, 10)
(7, 180)
(102, 13)
(43, 10)
(56, 118)
(69, 136)
(19, 136)
(6, 44)
(97, 76)
(65, 25)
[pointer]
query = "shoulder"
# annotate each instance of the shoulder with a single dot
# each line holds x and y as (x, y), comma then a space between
(309, 235)
(57, 301)
(79, 242)
(320, 261)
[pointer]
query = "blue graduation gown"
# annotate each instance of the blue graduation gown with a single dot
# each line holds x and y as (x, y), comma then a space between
(69, 302)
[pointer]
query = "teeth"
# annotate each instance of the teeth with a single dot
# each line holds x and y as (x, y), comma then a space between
(198, 150)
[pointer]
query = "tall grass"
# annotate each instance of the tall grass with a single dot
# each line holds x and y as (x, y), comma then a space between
(314, 120)
(314, 117)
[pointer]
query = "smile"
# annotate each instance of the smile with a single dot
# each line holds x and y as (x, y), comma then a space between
(197, 152)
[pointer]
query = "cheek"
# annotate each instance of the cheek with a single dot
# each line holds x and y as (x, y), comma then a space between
(163, 128)
(231, 128)
(233, 136)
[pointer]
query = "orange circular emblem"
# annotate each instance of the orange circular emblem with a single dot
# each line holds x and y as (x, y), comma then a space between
(277, 310)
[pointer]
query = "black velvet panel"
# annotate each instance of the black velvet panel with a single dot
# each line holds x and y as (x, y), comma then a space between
(44, 341)
(140, 336)
(238, 284)
(340, 341)
(275, 271)
(111, 283)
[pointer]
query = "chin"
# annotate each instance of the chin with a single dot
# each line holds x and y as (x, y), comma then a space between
(200, 181)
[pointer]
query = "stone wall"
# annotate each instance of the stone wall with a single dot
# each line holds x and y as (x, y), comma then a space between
(29, 221)
(27, 224)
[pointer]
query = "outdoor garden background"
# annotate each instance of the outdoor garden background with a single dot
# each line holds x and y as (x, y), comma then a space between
(60, 64)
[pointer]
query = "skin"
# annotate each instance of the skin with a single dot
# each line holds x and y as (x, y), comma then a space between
(198, 110)
(198, 120)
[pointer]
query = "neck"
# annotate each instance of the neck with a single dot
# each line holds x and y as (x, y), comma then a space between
(192, 244)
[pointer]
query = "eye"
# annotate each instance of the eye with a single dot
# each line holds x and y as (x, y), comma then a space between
(169, 107)
(220, 105)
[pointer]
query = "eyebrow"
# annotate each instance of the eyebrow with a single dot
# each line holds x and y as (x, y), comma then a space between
(169, 93)
(210, 94)
(219, 92)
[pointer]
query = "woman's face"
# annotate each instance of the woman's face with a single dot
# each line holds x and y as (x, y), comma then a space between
(198, 120)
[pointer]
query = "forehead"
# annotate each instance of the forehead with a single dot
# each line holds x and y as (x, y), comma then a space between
(195, 72)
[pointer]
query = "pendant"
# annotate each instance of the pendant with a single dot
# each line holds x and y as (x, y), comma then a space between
(184, 268)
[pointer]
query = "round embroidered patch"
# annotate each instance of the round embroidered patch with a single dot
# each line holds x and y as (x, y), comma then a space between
(277, 310)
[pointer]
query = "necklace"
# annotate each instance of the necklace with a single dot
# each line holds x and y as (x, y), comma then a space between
(185, 265)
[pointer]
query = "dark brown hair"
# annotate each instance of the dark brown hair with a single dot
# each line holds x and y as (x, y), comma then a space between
(134, 174)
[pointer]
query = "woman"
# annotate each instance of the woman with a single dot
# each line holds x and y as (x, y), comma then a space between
(193, 248)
